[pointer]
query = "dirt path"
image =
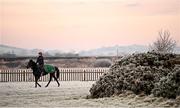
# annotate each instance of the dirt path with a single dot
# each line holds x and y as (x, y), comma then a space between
(69, 94)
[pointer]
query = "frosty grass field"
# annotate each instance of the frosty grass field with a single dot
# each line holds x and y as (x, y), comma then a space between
(69, 94)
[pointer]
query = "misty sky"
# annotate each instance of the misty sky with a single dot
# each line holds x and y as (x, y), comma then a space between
(86, 24)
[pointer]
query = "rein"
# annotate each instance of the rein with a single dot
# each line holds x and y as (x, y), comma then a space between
(35, 68)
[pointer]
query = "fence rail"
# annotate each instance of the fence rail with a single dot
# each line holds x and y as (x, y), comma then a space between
(66, 74)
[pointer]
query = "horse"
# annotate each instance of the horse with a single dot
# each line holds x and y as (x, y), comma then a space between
(37, 73)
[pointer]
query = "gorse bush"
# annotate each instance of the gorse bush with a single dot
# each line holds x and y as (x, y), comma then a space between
(168, 86)
(147, 73)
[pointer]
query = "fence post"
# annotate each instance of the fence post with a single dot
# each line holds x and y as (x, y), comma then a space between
(84, 75)
(1, 75)
(24, 75)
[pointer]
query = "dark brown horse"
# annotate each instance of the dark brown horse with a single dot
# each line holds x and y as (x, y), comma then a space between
(37, 73)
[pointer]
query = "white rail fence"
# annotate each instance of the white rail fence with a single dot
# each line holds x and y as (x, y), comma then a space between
(66, 74)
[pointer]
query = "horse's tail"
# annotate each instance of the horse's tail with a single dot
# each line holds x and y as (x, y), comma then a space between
(57, 72)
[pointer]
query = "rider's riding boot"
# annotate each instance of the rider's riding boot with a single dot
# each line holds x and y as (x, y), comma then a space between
(43, 72)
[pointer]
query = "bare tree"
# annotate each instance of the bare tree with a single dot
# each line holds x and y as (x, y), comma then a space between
(164, 43)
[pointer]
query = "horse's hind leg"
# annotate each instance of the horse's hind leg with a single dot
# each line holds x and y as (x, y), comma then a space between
(49, 80)
(56, 80)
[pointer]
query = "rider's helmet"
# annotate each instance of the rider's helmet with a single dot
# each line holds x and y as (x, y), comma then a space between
(40, 53)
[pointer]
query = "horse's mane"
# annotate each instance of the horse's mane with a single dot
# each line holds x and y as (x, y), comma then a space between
(33, 63)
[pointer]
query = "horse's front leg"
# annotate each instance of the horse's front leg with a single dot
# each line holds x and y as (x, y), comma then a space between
(36, 82)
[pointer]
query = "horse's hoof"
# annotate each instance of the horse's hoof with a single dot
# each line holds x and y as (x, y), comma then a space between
(46, 86)
(58, 85)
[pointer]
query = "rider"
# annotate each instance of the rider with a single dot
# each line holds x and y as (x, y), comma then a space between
(40, 62)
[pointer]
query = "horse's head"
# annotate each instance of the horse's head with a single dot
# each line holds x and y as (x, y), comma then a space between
(30, 64)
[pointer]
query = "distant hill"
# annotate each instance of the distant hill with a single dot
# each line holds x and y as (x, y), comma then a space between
(120, 50)
(104, 51)
(13, 50)
(24, 52)
(9, 51)
(177, 50)
(114, 50)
